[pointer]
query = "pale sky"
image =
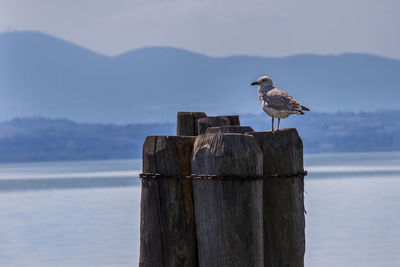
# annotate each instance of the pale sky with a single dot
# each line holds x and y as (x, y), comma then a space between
(215, 27)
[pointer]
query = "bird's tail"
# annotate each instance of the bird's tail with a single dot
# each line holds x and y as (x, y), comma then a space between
(298, 112)
(304, 108)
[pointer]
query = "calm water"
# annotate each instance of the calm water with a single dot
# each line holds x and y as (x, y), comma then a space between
(87, 213)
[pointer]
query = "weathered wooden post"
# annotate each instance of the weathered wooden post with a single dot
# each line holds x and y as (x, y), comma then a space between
(228, 197)
(284, 223)
(206, 122)
(233, 119)
(229, 129)
(167, 231)
(187, 123)
(195, 123)
(228, 200)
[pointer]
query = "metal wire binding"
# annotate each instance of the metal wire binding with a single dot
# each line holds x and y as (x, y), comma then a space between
(221, 177)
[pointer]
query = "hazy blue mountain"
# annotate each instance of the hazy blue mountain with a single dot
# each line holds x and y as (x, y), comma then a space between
(40, 139)
(44, 76)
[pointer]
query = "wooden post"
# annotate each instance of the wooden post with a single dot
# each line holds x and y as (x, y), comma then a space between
(228, 211)
(167, 232)
(187, 123)
(207, 122)
(229, 129)
(244, 206)
(233, 119)
(284, 223)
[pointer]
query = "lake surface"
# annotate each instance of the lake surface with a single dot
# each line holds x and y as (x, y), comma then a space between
(87, 213)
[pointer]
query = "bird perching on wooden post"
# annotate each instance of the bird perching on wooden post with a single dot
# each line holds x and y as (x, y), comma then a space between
(277, 103)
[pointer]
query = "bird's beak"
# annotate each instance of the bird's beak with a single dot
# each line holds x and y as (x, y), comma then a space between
(254, 83)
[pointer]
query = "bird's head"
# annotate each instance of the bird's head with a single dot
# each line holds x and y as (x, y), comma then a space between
(263, 81)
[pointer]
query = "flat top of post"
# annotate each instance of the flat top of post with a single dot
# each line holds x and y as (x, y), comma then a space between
(191, 113)
(227, 154)
(168, 155)
(229, 129)
(283, 151)
(280, 131)
(187, 122)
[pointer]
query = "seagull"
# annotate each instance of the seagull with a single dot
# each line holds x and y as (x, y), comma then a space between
(277, 103)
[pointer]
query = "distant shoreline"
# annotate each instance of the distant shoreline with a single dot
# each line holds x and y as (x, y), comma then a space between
(47, 140)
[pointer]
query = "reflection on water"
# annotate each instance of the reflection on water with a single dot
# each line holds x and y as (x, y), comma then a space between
(36, 175)
(353, 165)
(66, 183)
(87, 213)
(353, 222)
(81, 227)
(69, 175)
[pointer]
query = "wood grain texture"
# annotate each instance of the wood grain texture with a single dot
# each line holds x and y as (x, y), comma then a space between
(206, 122)
(233, 119)
(187, 123)
(284, 222)
(228, 212)
(229, 129)
(167, 230)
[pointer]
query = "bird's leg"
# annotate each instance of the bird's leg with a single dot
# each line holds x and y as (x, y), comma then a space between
(272, 124)
(279, 120)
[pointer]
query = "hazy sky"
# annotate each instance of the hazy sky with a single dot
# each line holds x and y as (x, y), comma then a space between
(215, 27)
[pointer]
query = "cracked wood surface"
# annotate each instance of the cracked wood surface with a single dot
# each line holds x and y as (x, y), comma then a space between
(284, 222)
(167, 232)
(228, 213)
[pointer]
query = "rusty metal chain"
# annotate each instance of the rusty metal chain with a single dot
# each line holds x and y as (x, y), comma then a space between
(221, 177)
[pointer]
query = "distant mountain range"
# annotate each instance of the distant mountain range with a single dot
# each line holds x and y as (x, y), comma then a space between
(40, 139)
(44, 76)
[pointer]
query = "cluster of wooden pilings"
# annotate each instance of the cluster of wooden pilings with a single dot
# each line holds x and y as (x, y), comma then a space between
(220, 194)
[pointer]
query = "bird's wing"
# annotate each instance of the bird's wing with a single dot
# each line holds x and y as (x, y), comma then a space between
(281, 100)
